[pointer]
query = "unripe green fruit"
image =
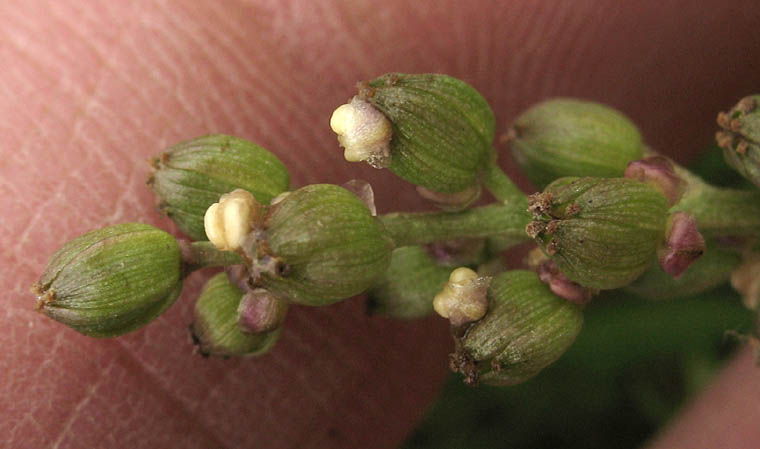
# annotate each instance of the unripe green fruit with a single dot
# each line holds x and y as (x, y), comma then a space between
(442, 129)
(216, 329)
(326, 245)
(191, 176)
(601, 232)
(112, 280)
(526, 328)
(568, 137)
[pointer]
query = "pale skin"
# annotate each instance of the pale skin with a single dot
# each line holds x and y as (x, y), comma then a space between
(89, 90)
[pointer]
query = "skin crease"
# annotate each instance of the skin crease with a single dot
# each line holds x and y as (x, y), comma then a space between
(89, 90)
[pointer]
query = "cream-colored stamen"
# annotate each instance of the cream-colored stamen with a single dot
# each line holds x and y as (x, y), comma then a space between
(463, 298)
(363, 131)
(228, 222)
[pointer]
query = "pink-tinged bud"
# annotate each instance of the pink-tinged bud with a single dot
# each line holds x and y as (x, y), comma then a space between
(683, 245)
(659, 173)
(561, 286)
(260, 312)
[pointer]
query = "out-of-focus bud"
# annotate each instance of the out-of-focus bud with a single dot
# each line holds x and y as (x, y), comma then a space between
(740, 137)
(319, 245)
(746, 281)
(112, 280)
(229, 221)
(601, 232)
(260, 312)
(568, 137)
(526, 328)
(452, 202)
(458, 252)
(215, 329)
(442, 129)
(407, 288)
(658, 172)
(189, 177)
(683, 244)
(709, 271)
(463, 298)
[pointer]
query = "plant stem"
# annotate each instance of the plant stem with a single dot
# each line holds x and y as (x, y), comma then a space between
(501, 187)
(197, 255)
(485, 221)
(720, 211)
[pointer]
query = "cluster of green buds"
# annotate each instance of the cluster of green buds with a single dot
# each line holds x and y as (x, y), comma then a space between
(740, 137)
(607, 218)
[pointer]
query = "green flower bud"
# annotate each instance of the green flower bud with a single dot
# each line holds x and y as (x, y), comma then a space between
(526, 328)
(441, 129)
(319, 245)
(567, 137)
(407, 288)
(601, 232)
(709, 271)
(740, 138)
(191, 176)
(112, 280)
(216, 330)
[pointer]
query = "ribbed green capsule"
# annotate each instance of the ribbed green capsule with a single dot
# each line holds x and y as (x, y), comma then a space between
(407, 287)
(442, 129)
(526, 328)
(569, 137)
(740, 137)
(601, 232)
(325, 245)
(215, 328)
(111, 281)
(191, 176)
(712, 269)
